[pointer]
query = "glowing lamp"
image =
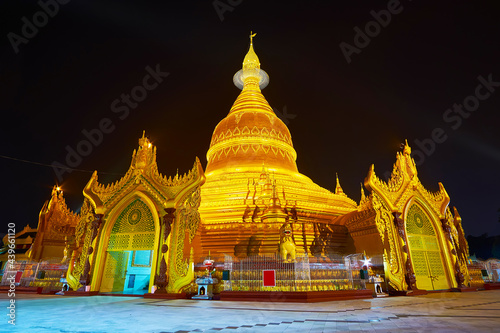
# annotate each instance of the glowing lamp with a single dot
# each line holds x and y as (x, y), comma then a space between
(366, 262)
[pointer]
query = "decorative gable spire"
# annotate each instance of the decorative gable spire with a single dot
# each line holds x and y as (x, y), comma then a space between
(362, 194)
(145, 154)
(405, 161)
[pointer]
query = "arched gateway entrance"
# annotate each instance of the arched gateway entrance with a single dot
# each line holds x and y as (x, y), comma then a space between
(425, 251)
(129, 252)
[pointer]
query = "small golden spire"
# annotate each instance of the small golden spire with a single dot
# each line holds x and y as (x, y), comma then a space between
(407, 148)
(362, 194)
(251, 60)
(457, 216)
(143, 141)
(338, 188)
(251, 77)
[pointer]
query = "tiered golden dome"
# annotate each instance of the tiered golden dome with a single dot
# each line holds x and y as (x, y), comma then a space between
(251, 135)
(251, 151)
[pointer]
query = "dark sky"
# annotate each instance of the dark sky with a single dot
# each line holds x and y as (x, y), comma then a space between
(398, 85)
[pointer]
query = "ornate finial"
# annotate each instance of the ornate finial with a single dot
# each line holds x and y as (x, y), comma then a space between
(251, 61)
(457, 216)
(362, 194)
(143, 141)
(406, 149)
(251, 77)
(274, 199)
(252, 35)
(143, 155)
(57, 191)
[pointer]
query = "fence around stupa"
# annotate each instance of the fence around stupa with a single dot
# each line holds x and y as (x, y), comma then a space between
(301, 274)
(45, 274)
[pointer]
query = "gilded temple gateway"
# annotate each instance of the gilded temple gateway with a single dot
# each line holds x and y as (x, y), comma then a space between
(146, 232)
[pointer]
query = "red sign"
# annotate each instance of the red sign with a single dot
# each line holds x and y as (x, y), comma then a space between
(269, 278)
(19, 274)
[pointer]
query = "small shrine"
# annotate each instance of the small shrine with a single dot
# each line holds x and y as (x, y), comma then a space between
(206, 283)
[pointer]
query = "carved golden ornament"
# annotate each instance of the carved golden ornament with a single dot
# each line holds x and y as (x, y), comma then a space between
(56, 218)
(85, 227)
(187, 218)
(143, 171)
(392, 249)
(381, 217)
(190, 212)
(404, 183)
(418, 223)
(134, 228)
(462, 245)
(136, 217)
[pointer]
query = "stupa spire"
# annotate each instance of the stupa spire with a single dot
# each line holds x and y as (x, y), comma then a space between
(251, 77)
(251, 135)
(338, 188)
(251, 60)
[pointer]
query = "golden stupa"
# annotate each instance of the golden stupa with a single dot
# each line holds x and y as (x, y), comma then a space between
(254, 191)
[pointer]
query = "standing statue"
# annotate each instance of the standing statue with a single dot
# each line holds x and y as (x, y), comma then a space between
(67, 251)
(287, 245)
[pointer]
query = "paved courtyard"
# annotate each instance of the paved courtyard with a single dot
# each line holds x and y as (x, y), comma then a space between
(438, 312)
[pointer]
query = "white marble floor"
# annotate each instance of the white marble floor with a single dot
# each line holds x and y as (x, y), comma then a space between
(439, 312)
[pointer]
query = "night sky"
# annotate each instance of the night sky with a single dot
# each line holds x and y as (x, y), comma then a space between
(409, 78)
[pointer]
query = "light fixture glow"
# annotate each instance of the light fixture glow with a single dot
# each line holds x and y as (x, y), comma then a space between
(366, 262)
